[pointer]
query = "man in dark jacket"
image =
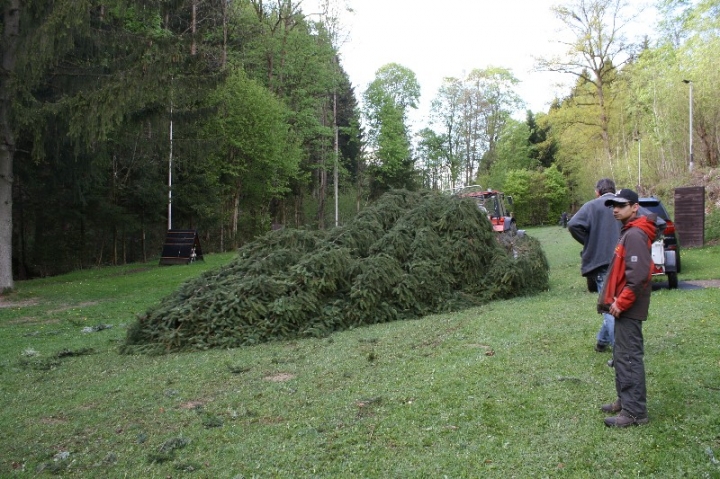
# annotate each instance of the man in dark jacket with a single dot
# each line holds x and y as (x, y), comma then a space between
(626, 296)
(595, 227)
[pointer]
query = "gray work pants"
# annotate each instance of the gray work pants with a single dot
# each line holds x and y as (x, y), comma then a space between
(629, 366)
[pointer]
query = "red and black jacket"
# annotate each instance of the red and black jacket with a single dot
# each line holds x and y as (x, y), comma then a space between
(627, 283)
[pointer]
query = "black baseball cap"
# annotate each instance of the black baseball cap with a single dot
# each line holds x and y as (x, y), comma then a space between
(623, 197)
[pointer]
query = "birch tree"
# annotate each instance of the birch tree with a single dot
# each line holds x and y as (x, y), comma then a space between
(445, 116)
(595, 48)
(470, 114)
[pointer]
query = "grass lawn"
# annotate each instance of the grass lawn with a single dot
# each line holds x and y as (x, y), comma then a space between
(510, 389)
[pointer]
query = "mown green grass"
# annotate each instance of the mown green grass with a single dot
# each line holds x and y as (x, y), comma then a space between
(510, 389)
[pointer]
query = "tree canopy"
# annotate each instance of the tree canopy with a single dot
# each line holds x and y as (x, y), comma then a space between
(99, 100)
(388, 98)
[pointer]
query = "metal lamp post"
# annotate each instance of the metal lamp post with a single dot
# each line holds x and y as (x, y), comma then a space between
(690, 84)
(639, 163)
(638, 140)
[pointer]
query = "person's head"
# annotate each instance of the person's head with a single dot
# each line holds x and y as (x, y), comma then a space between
(604, 185)
(624, 204)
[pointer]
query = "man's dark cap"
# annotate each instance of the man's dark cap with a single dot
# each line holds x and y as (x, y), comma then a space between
(623, 197)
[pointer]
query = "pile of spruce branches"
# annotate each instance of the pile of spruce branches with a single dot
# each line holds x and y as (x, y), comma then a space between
(408, 255)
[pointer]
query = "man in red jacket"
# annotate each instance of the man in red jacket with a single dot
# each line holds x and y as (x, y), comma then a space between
(626, 295)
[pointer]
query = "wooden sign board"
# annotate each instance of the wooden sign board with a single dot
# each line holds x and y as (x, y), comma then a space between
(690, 215)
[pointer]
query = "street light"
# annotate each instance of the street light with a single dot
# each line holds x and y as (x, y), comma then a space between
(639, 157)
(690, 83)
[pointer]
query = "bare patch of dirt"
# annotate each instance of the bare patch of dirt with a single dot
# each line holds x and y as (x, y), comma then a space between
(33, 320)
(705, 283)
(133, 271)
(81, 305)
(280, 377)
(488, 350)
(51, 420)
(271, 420)
(17, 304)
(197, 404)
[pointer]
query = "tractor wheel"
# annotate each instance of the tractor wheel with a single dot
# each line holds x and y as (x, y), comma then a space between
(591, 284)
(672, 280)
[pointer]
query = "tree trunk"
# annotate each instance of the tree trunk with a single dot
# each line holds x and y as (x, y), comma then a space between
(603, 116)
(222, 237)
(193, 29)
(115, 246)
(710, 147)
(223, 59)
(21, 248)
(142, 240)
(6, 224)
(321, 197)
(11, 32)
(322, 180)
(235, 215)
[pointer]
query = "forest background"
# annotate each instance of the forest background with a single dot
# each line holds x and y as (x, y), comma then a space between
(245, 109)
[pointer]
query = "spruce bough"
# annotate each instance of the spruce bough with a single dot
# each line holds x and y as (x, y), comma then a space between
(408, 255)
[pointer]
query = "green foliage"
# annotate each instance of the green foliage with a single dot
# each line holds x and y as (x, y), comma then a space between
(574, 128)
(409, 255)
(137, 24)
(471, 114)
(394, 84)
(520, 184)
(393, 167)
(295, 59)
(446, 117)
(432, 149)
(646, 107)
(555, 192)
(96, 87)
(514, 152)
(254, 156)
(92, 94)
(387, 100)
(544, 146)
(539, 196)
(491, 100)
(712, 225)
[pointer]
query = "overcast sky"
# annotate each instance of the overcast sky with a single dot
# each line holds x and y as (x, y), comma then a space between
(452, 37)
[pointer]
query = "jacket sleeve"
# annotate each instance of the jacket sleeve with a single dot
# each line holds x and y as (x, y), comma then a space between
(637, 268)
(579, 224)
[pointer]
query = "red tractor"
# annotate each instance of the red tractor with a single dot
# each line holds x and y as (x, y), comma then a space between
(495, 204)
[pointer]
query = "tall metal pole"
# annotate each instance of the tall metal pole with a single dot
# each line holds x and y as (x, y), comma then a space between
(690, 84)
(639, 163)
(170, 166)
(692, 163)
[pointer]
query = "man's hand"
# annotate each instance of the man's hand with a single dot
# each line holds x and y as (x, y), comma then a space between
(614, 310)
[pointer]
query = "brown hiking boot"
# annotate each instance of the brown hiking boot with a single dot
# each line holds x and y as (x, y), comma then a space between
(612, 407)
(624, 420)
